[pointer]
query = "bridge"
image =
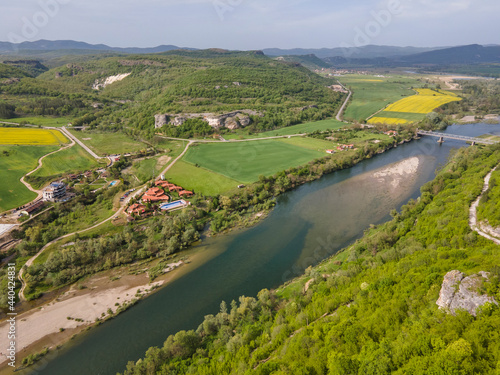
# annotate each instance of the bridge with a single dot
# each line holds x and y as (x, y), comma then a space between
(443, 136)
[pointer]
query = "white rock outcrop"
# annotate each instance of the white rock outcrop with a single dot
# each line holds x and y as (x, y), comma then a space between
(459, 292)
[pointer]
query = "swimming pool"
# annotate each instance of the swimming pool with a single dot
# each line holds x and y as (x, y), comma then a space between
(113, 183)
(173, 205)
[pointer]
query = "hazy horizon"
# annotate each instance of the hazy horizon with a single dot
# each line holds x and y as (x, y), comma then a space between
(250, 25)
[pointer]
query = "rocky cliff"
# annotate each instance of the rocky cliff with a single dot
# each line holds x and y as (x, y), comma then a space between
(231, 120)
(459, 292)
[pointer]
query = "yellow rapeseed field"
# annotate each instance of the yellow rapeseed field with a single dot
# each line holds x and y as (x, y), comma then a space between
(36, 137)
(426, 101)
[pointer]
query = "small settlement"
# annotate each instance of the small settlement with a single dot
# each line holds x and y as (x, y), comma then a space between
(160, 198)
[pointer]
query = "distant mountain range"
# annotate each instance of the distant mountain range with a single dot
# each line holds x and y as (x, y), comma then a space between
(48, 45)
(369, 51)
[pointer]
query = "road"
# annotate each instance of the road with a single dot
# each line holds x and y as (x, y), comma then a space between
(32, 259)
(71, 136)
(341, 110)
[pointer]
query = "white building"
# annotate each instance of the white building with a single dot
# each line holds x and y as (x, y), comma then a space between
(54, 192)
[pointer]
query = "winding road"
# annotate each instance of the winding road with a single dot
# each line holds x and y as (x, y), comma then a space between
(340, 114)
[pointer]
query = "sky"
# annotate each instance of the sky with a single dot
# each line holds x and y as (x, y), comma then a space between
(253, 24)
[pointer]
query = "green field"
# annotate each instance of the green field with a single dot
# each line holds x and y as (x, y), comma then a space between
(109, 143)
(200, 180)
(147, 168)
(71, 160)
(308, 127)
(40, 120)
(16, 161)
(372, 93)
(319, 145)
(246, 161)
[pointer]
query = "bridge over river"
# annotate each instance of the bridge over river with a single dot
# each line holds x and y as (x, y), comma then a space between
(443, 136)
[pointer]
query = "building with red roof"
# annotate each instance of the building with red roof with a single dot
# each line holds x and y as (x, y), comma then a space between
(155, 195)
(137, 209)
(186, 193)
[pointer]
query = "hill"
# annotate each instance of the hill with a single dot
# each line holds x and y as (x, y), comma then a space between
(309, 61)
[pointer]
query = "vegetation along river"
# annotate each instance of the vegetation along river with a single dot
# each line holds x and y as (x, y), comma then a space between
(308, 225)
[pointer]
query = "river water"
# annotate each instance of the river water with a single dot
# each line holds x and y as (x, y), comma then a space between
(308, 224)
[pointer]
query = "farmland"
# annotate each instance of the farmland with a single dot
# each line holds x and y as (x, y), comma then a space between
(36, 137)
(109, 143)
(200, 180)
(40, 120)
(71, 160)
(16, 161)
(415, 107)
(246, 161)
(372, 93)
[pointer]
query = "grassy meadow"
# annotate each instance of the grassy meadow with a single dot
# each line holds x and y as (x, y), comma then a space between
(40, 120)
(200, 180)
(246, 161)
(109, 143)
(15, 162)
(308, 127)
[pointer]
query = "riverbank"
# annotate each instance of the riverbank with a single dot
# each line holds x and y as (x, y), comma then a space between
(88, 302)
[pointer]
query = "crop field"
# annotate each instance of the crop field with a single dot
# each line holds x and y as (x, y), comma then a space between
(314, 144)
(246, 161)
(414, 108)
(426, 101)
(200, 180)
(35, 137)
(109, 143)
(15, 162)
(372, 93)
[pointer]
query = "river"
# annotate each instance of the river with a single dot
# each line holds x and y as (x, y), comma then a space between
(308, 224)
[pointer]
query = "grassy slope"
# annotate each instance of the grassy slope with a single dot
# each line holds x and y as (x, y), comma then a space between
(21, 160)
(200, 180)
(109, 143)
(246, 161)
(488, 208)
(371, 94)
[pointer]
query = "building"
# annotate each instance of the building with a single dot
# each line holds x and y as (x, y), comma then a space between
(30, 210)
(391, 133)
(330, 151)
(155, 195)
(345, 147)
(173, 187)
(185, 193)
(136, 209)
(54, 192)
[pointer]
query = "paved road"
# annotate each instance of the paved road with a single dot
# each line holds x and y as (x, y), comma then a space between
(341, 110)
(71, 136)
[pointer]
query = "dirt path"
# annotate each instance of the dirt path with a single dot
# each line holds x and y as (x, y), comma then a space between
(32, 259)
(40, 165)
(474, 225)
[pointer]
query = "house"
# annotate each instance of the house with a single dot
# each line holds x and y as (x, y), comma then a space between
(155, 195)
(391, 133)
(185, 193)
(330, 151)
(163, 184)
(136, 209)
(345, 147)
(28, 211)
(54, 192)
(175, 188)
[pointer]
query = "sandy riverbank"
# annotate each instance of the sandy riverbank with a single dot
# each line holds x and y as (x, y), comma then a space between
(76, 309)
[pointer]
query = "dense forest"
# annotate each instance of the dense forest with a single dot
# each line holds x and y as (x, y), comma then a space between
(370, 309)
(178, 82)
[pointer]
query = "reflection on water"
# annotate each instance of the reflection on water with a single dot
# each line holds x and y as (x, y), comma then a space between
(308, 224)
